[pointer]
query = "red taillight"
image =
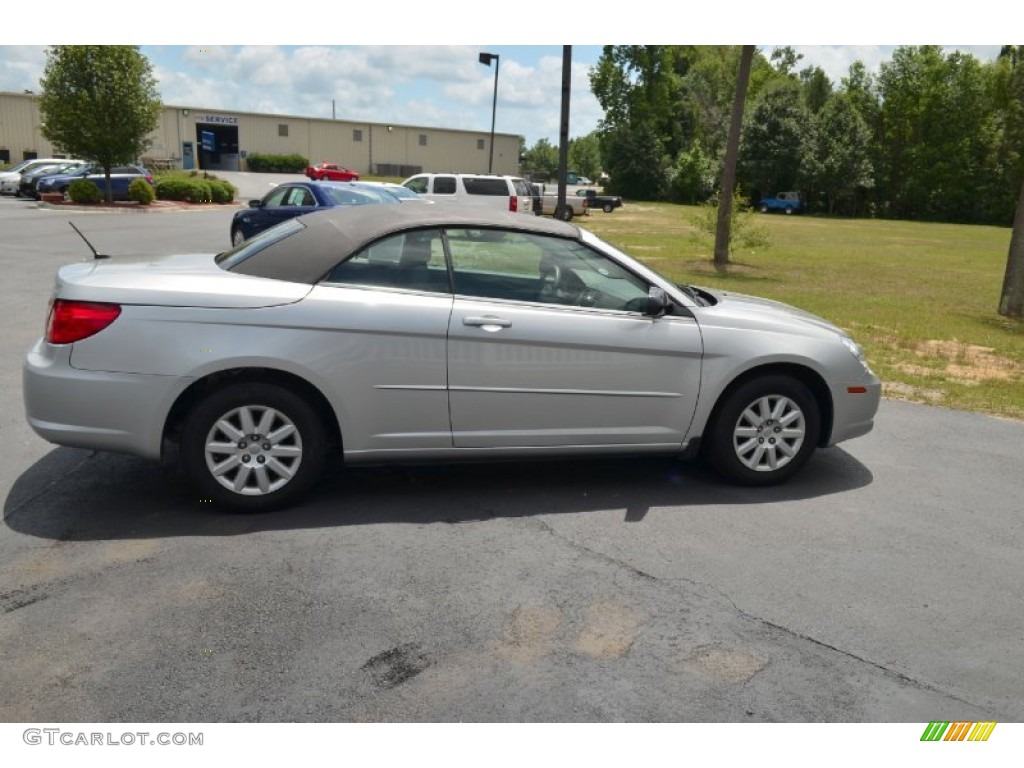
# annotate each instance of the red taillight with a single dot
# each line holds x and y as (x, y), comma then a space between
(71, 321)
(513, 204)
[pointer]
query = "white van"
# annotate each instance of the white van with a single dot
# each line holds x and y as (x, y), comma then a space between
(507, 193)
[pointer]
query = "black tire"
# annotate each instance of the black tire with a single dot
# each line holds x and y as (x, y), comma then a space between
(764, 209)
(608, 207)
(564, 213)
(746, 437)
(237, 237)
(789, 211)
(266, 474)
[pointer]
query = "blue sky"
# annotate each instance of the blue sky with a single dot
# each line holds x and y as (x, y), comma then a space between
(443, 84)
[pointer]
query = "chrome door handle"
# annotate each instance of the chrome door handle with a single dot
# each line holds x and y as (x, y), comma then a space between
(488, 323)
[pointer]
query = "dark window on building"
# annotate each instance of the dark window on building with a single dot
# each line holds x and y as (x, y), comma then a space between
(423, 139)
(479, 143)
(5, 156)
(27, 155)
(282, 129)
(357, 134)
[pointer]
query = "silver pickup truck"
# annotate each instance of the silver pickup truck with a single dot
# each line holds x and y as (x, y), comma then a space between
(575, 205)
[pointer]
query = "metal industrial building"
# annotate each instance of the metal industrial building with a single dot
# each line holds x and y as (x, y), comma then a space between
(216, 139)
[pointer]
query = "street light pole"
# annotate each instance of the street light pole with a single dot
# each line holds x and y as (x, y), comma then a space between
(486, 59)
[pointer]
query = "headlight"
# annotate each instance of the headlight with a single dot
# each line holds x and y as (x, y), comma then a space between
(855, 350)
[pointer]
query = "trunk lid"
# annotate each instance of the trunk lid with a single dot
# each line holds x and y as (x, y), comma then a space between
(187, 280)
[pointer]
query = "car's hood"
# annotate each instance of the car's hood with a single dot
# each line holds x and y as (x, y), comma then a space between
(189, 280)
(755, 311)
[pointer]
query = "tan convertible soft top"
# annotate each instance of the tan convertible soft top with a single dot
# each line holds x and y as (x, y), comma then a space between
(331, 236)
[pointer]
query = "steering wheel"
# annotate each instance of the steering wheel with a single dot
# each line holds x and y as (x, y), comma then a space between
(550, 282)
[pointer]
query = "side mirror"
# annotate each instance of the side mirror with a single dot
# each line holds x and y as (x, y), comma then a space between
(658, 302)
(255, 203)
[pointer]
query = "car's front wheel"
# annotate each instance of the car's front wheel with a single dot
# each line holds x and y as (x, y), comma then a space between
(253, 447)
(764, 431)
(237, 238)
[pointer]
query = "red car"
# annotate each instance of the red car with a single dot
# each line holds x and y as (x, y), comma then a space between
(331, 172)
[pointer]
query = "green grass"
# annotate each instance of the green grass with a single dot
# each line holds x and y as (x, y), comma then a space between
(920, 298)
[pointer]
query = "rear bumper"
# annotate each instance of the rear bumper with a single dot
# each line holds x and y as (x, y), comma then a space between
(97, 410)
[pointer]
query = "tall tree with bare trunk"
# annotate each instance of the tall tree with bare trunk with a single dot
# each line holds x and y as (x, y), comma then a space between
(1011, 303)
(732, 148)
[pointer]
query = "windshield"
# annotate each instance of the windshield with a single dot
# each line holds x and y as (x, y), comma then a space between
(342, 195)
(699, 297)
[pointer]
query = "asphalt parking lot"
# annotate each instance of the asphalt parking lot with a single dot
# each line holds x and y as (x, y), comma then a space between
(883, 584)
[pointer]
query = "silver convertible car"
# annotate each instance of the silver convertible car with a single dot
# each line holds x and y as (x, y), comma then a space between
(407, 333)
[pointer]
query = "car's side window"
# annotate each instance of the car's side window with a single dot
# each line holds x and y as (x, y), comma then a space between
(301, 196)
(518, 266)
(417, 184)
(413, 260)
(444, 185)
(275, 199)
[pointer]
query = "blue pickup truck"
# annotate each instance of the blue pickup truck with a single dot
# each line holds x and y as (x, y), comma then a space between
(787, 202)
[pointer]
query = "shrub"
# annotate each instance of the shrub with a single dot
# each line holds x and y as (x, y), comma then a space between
(141, 191)
(222, 191)
(744, 226)
(276, 163)
(186, 188)
(84, 191)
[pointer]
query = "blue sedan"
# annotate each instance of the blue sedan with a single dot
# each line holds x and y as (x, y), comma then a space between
(301, 197)
(121, 176)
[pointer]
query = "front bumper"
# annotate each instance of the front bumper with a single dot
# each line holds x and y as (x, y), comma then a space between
(855, 404)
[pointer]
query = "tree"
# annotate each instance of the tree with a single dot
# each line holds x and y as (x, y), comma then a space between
(542, 159)
(637, 163)
(585, 155)
(731, 154)
(99, 103)
(773, 139)
(817, 88)
(937, 134)
(836, 157)
(1011, 303)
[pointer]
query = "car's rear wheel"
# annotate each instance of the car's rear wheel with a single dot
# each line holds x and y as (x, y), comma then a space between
(253, 447)
(564, 212)
(608, 207)
(764, 431)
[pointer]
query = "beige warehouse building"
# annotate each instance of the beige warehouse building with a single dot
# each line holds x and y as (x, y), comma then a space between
(215, 139)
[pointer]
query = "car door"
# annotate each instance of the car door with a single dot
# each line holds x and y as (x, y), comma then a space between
(285, 202)
(387, 309)
(548, 346)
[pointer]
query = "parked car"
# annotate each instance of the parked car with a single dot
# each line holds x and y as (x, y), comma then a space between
(606, 203)
(11, 178)
(427, 332)
(29, 179)
(478, 190)
(121, 176)
(301, 197)
(787, 202)
(331, 172)
(574, 206)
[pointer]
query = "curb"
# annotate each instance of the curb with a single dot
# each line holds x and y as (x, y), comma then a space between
(161, 206)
